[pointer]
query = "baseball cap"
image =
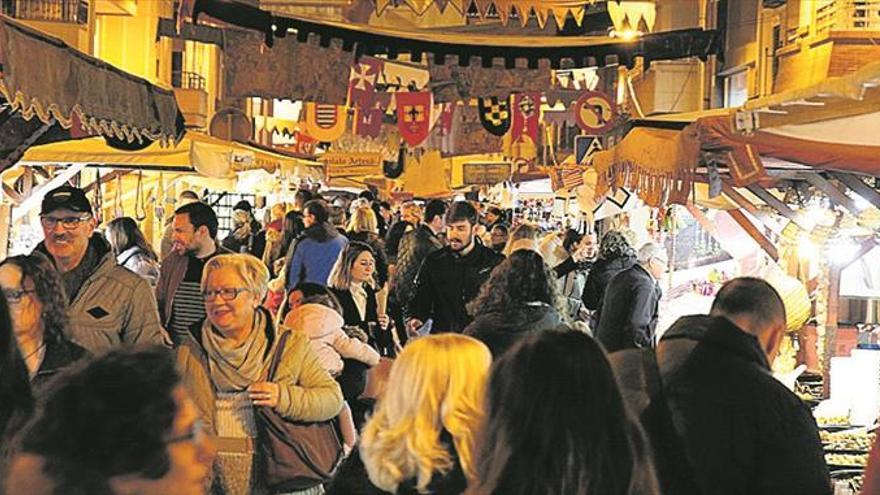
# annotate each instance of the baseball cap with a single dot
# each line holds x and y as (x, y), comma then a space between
(72, 198)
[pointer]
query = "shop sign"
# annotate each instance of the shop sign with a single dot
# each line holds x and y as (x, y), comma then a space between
(352, 164)
(486, 173)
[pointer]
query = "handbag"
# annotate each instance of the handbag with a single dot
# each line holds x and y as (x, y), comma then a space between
(295, 455)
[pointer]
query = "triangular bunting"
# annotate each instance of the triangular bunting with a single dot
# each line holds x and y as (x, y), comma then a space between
(560, 14)
(419, 6)
(541, 15)
(381, 5)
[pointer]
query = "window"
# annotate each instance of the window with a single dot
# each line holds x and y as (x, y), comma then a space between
(736, 89)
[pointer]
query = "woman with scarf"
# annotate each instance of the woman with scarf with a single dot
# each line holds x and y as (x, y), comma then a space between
(241, 239)
(224, 362)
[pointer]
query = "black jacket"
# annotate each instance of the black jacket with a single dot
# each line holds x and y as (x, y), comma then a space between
(744, 431)
(350, 312)
(447, 282)
(499, 331)
(60, 353)
(415, 246)
(629, 312)
(393, 237)
(600, 275)
(352, 479)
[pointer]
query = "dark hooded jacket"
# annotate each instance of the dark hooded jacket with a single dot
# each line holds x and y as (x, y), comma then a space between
(499, 331)
(415, 246)
(630, 311)
(601, 273)
(744, 432)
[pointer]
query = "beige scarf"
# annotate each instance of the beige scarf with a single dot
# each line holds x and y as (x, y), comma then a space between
(235, 367)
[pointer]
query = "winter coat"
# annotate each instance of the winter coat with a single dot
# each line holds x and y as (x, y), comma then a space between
(113, 306)
(136, 260)
(312, 256)
(598, 278)
(414, 248)
(393, 238)
(378, 246)
(352, 478)
(499, 331)
(629, 312)
(308, 392)
(350, 312)
(744, 432)
(447, 282)
(60, 354)
(324, 329)
(171, 274)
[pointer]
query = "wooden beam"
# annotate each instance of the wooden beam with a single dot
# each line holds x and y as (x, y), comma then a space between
(12, 193)
(773, 202)
(868, 193)
(37, 196)
(740, 218)
(837, 196)
(739, 199)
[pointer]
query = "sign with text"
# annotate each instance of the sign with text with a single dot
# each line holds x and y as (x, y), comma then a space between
(486, 173)
(352, 164)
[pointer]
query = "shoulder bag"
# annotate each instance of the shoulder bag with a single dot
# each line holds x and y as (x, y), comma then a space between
(295, 455)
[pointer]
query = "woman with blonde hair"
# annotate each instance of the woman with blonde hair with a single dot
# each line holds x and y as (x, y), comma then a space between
(421, 438)
(224, 363)
(132, 249)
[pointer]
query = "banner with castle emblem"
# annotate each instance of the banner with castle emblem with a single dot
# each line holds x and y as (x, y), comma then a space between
(414, 116)
(325, 122)
(495, 115)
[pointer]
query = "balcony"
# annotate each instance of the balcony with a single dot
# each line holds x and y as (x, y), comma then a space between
(192, 97)
(67, 11)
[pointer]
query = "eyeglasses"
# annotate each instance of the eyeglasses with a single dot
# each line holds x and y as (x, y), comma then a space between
(16, 295)
(196, 434)
(226, 293)
(69, 223)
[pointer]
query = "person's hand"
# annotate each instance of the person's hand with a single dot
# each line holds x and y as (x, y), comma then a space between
(412, 326)
(384, 321)
(264, 393)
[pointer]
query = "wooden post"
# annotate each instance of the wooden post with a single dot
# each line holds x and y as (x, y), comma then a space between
(860, 188)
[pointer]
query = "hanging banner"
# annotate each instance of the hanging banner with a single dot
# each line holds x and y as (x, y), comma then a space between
(368, 123)
(594, 112)
(526, 114)
(495, 115)
(451, 82)
(362, 81)
(413, 116)
(324, 122)
(485, 173)
(351, 164)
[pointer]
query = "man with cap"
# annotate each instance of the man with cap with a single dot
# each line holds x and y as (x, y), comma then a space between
(109, 305)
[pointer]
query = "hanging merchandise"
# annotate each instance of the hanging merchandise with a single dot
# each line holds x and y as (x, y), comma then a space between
(595, 113)
(446, 129)
(526, 114)
(140, 207)
(362, 82)
(118, 210)
(325, 122)
(99, 198)
(413, 116)
(495, 115)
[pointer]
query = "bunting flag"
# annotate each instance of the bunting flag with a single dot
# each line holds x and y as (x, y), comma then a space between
(324, 122)
(526, 114)
(543, 9)
(414, 116)
(362, 81)
(447, 116)
(368, 123)
(495, 115)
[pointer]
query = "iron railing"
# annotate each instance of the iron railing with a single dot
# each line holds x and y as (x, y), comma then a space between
(72, 11)
(187, 80)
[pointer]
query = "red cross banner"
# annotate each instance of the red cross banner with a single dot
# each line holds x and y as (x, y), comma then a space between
(362, 81)
(324, 122)
(414, 116)
(526, 114)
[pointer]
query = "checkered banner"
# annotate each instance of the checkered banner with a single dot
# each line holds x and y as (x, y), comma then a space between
(495, 115)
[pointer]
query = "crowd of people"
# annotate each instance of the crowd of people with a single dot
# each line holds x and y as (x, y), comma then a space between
(375, 348)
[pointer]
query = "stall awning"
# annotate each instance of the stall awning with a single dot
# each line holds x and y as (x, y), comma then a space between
(196, 152)
(55, 92)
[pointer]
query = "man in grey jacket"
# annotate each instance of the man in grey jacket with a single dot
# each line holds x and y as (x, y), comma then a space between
(109, 305)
